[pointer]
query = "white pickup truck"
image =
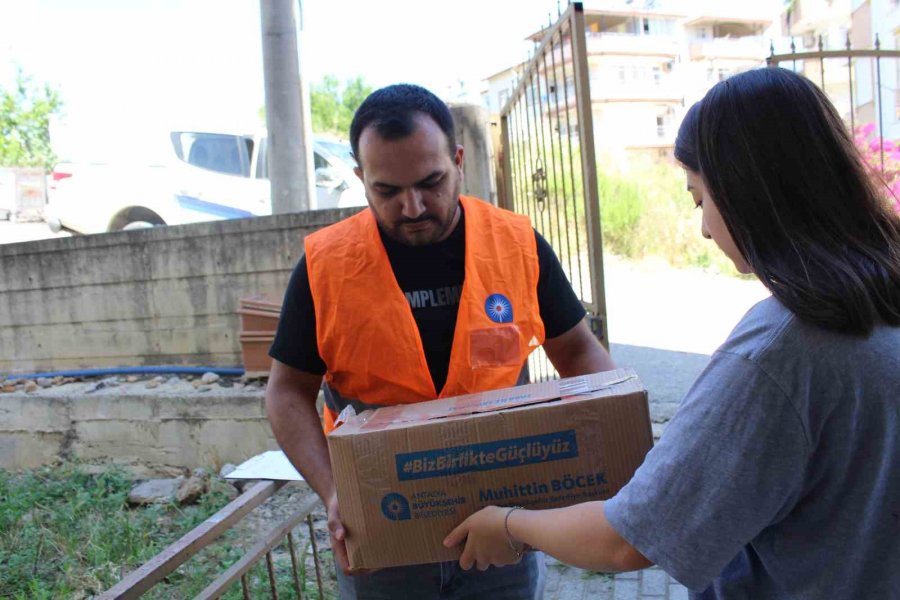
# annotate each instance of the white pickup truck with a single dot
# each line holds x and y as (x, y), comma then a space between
(196, 176)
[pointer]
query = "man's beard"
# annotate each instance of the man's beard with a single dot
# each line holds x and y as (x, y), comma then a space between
(432, 235)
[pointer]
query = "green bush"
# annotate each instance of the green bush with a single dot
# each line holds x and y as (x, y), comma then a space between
(66, 533)
(646, 211)
(621, 207)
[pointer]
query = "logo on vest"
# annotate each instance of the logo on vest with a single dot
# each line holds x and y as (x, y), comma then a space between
(498, 308)
(395, 507)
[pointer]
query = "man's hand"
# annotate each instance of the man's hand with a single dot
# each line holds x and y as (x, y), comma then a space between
(486, 543)
(291, 407)
(338, 533)
(338, 537)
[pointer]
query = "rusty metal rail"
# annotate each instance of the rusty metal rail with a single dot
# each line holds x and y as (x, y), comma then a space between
(139, 581)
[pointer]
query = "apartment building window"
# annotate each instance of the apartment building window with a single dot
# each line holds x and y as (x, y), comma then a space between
(503, 98)
(659, 26)
(718, 74)
(665, 116)
(809, 40)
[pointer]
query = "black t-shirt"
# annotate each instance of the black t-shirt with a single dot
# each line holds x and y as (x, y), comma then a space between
(431, 278)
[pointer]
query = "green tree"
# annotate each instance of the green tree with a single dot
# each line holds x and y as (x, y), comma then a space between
(324, 104)
(25, 124)
(355, 92)
(332, 107)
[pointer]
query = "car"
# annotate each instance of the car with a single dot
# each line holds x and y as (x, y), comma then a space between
(193, 176)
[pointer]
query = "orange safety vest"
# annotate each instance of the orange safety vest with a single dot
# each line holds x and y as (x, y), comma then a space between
(366, 332)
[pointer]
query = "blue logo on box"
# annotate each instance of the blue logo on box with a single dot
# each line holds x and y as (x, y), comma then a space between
(395, 507)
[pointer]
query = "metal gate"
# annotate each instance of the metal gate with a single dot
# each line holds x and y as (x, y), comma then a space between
(547, 167)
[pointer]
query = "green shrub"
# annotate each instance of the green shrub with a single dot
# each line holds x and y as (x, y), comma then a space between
(646, 212)
(66, 533)
(621, 207)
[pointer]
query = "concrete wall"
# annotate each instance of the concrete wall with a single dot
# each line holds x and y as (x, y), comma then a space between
(156, 296)
(472, 133)
(150, 434)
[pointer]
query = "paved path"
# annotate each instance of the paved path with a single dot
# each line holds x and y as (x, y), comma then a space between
(569, 583)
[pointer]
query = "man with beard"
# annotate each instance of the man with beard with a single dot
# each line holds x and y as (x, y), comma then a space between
(426, 294)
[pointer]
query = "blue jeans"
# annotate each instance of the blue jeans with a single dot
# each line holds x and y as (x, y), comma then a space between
(523, 581)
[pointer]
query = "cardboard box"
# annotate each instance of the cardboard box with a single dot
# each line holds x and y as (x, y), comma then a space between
(406, 475)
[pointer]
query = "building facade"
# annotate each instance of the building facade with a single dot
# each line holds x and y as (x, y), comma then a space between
(649, 61)
(882, 18)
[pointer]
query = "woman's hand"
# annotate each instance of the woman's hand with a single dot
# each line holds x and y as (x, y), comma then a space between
(486, 541)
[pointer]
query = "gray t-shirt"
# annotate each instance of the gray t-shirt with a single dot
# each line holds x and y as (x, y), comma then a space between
(779, 477)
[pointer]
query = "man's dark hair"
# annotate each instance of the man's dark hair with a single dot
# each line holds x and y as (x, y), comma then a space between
(803, 209)
(392, 109)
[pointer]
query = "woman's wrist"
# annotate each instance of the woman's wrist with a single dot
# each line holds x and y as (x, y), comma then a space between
(516, 545)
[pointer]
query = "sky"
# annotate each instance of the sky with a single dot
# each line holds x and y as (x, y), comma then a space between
(126, 64)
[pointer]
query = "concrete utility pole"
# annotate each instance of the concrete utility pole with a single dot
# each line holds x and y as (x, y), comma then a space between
(290, 156)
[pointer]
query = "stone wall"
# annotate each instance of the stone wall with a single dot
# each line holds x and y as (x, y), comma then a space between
(159, 296)
(149, 433)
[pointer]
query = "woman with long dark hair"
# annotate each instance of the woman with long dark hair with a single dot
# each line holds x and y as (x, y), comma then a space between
(779, 477)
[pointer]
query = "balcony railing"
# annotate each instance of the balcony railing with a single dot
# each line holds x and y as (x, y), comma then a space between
(748, 48)
(606, 88)
(646, 44)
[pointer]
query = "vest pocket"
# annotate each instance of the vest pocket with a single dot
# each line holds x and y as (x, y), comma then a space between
(499, 346)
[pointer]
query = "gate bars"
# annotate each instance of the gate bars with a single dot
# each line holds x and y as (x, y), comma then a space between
(548, 167)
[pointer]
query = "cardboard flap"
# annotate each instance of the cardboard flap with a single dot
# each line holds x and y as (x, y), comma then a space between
(494, 400)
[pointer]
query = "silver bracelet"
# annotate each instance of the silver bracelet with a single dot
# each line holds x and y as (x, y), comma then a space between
(517, 550)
